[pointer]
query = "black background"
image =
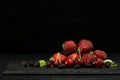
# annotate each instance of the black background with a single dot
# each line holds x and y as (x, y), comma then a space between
(40, 26)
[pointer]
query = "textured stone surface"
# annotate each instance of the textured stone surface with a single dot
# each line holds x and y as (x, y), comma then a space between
(15, 67)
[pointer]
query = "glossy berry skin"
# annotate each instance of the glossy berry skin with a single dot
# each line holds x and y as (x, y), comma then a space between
(48, 64)
(73, 56)
(69, 62)
(58, 58)
(79, 61)
(98, 62)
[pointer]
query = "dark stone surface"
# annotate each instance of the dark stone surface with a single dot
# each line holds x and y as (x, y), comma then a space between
(5, 58)
(16, 68)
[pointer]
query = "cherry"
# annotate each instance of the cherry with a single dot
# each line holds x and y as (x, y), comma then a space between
(79, 61)
(69, 62)
(48, 64)
(97, 62)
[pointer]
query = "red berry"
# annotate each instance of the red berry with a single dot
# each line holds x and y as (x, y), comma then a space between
(87, 58)
(85, 46)
(70, 46)
(98, 62)
(73, 56)
(69, 62)
(101, 54)
(58, 58)
(79, 61)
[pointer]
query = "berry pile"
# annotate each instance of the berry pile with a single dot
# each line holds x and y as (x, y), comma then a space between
(76, 56)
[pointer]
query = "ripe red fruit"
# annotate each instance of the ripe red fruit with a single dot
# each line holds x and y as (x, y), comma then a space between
(73, 56)
(101, 54)
(85, 46)
(79, 61)
(69, 62)
(69, 46)
(87, 58)
(98, 62)
(58, 58)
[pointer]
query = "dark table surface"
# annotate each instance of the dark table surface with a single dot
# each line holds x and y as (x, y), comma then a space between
(6, 57)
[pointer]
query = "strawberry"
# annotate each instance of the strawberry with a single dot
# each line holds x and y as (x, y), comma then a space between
(87, 58)
(85, 46)
(101, 54)
(69, 46)
(73, 56)
(58, 58)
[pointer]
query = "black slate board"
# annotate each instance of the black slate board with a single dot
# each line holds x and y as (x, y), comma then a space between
(15, 68)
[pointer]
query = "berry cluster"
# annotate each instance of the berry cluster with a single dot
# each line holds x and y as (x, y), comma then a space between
(77, 56)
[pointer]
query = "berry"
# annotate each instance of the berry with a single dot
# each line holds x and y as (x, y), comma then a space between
(48, 64)
(85, 46)
(97, 62)
(58, 58)
(107, 64)
(69, 46)
(69, 62)
(77, 66)
(36, 64)
(31, 63)
(101, 54)
(79, 61)
(87, 58)
(73, 56)
(61, 65)
(89, 65)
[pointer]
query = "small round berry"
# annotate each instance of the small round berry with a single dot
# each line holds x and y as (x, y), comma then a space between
(89, 65)
(107, 64)
(61, 65)
(77, 66)
(36, 64)
(48, 64)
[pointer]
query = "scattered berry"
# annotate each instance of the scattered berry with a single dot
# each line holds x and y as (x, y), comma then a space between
(31, 63)
(36, 64)
(48, 64)
(89, 65)
(107, 64)
(61, 65)
(77, 66)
